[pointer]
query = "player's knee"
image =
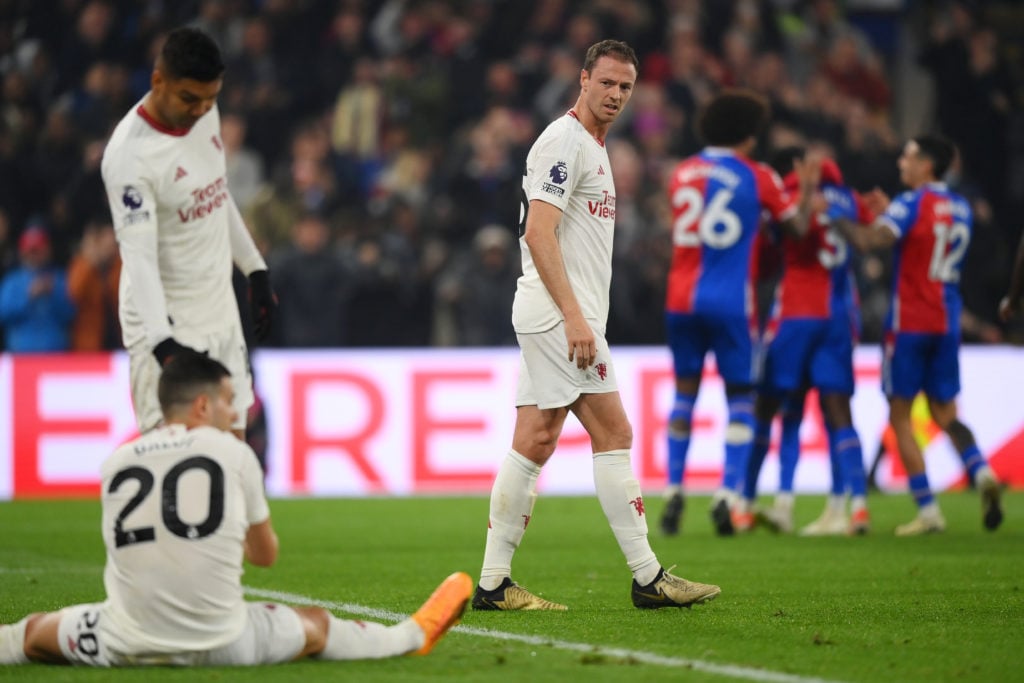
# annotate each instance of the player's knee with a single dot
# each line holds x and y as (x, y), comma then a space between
(315, 625)
(41, 641)
(738, 433)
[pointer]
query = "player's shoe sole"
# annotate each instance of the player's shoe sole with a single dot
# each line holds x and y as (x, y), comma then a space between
(920, 526)
(672, 516)
(721, 518)
(991, 508)
(668, 590)
(510, 596)
(860, 523)
(443, 609)
(779, 521)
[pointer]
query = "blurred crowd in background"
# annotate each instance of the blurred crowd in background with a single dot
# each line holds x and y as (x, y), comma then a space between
(376, 147)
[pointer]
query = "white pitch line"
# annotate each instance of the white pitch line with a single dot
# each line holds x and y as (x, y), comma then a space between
(734, 670)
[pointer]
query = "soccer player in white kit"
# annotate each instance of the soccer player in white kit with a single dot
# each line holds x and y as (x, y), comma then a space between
(182, 505)
(178, 228)
(560, 312)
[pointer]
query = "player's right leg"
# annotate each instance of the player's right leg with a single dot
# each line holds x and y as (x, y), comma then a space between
(929, 519)
(904, 363)
(988, 485)
(547, 386)
(686, 340)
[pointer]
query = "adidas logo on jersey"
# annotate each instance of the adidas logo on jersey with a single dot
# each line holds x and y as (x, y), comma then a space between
(600, 169)
(179, 174)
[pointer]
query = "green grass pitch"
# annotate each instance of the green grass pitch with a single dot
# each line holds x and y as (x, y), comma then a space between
(878, 608)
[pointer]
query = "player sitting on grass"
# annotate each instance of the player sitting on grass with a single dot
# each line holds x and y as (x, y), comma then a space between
(182, 505)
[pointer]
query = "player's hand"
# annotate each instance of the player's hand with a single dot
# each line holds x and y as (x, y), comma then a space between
(1007, 309)
(876, 200)
(168, 349)
(808, 171)
(580, 339)
(263, 302)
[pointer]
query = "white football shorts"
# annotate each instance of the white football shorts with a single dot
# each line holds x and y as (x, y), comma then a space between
(228, 346)
(548, 379)
(273, 634)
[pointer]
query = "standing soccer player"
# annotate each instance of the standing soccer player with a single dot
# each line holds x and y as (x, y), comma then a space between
(178, 228)
(810, 338)
(717, 200)
(929, 228)
(559, 313)
(175, 551)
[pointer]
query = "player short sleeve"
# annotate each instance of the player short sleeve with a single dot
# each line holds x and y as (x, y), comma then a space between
(130, 194)
(899, 215)
(556, 171)
(773, 195)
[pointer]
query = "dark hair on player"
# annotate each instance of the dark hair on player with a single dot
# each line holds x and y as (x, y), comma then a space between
(190, 53)
(187, 375)
(940, 150)
(784, 160)
(610, 48)
(731, 117)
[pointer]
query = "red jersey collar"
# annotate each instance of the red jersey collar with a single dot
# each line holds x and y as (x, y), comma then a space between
(148, 118)
(572, 113)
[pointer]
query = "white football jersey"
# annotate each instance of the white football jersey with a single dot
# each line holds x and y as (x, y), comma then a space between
(177, 227)
(177, 504)
(568, 168)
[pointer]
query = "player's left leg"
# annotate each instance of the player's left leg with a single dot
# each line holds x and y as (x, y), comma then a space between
(945, 415)
(618, 491)
(942, 386)
(848, 455)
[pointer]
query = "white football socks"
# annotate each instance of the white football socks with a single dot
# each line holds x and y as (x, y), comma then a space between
(370, 640)
(12, 643)
(512, 499)
(619, 493)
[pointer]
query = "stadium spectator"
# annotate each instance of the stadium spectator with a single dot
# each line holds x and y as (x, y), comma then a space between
(561, 304)
(35, 309)
(311, 281)
(930, 227)
(93, 277)
(245, 167)
(179, 230)
(173, 589)
(475, 292)
(289, 63)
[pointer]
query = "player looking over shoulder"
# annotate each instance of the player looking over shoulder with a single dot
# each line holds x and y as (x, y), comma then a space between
(717, 199)
(929, 229)
(175, 551)
(559, 314)
(179, 230)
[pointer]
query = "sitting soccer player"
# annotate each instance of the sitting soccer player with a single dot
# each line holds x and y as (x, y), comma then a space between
(174, 557)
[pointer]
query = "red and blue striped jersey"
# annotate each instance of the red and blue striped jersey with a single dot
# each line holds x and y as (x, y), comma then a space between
(717, 200)
(816, 281)
(933, 229)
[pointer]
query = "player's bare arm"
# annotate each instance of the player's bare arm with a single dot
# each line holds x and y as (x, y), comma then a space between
(876, 236)
(541, 224)
(261, 544)
(1010, 304)
(808, 170)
